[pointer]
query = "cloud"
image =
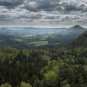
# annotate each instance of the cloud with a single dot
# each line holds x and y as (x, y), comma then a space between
(39, 5)
(74, 5)
(56, 5)
(4, 18)
(43, 12)
(10, 3)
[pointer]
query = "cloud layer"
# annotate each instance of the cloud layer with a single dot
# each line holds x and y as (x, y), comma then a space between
(43, 12)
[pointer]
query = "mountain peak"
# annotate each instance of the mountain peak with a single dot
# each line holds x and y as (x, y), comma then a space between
(77, 27)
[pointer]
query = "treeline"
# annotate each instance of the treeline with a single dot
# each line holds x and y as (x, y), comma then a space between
(61, 67)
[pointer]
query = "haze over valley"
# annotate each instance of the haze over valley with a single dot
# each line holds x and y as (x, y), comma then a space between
(29, 37)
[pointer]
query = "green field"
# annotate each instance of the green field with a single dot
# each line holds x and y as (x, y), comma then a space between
(39, 43)
(19, 40)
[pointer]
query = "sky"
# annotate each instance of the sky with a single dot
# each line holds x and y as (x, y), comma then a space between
(43, 13)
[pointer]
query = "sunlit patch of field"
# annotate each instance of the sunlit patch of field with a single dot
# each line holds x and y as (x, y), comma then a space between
(39, 43)
(19, 40)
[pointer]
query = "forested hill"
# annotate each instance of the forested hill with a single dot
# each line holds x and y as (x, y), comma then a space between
(80, 41)
(60, 67)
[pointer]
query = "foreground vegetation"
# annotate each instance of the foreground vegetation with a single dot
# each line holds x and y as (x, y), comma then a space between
(62, 67)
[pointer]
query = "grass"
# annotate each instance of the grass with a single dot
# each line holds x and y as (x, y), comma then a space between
(39, 43)
(19, 40)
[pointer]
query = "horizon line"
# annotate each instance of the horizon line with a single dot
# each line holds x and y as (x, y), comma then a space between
(41, 26)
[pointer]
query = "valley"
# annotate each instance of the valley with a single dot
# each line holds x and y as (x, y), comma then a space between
(34, 58)
(33, 38)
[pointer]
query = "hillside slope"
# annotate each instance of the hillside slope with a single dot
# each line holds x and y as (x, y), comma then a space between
(81, 40)
(9, 41)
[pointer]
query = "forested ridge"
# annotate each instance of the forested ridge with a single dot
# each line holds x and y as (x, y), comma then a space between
(60, 67)
(80, 40)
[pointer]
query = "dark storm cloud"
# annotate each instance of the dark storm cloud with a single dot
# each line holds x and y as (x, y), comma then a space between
(74, 6)
(46, 5)
(41, 5)
(43, 11)
(10, 3)
(56, 5)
